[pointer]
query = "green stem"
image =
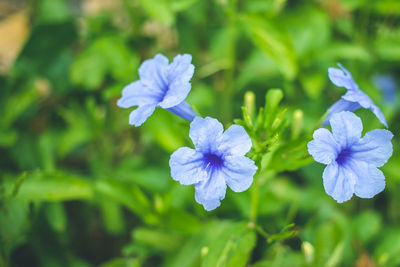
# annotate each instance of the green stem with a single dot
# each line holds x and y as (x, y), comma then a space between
(262, 232)
(259, 230)
(254, 201)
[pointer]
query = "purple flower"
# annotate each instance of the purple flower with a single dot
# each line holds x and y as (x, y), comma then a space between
(161, 85)
(218, 160)
(352, 161)
(353, 99)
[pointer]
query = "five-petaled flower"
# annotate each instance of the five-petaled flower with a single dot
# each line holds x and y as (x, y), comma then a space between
(161, 85)
(218, 160)
(352, 161)
(354, 97)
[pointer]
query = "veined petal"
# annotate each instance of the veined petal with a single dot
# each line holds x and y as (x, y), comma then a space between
(176, 93)
(378, 113)
(153, 72)
(342, 78)
(346, 128)
(210, 192)
(136, 94)
(340, 105)
(323, 148)
(238, 172)
(374, 148)
(364, 101)
(183, 110)
(140, 115)
(186, 166)
(235, 141)
(370, 180)
(339, 182)
(359, 97)
(180, 70)
(205, 133)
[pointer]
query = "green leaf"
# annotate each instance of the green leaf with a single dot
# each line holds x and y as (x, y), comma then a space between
(14, 222)
(180, 5)
(388, 48)
(291, 155)
(274, 43)
(309, 28)
(53, 186)
(122, 262)
(367, 225)
(313, 83)
(109, 54)
(337, 256)
(235, 251)
(56, 216)
(89, 70)
(156, 239)
(79, 131)
(159, 10)
(272, 100)
(128, 195)
(113, 217)
(218, 243)
(163, 127)
(121, 60)
(387, 7)
(182, 221)
(338, 50)
(15, 105)
(51, 11)
(8, 138)
(153, 179)
(388, 248)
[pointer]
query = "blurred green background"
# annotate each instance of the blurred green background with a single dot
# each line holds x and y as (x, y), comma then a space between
(81, 187)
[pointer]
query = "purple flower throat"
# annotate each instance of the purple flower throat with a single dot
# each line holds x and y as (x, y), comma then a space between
(343, 156)
(213, 160)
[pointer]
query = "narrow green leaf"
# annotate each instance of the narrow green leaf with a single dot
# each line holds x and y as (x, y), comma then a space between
(128, 195)
(56, 216)
(156, 239)
(54, 186)
(274, 43)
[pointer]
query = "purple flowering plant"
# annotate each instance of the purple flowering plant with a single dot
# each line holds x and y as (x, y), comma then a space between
(270, 140)
(354, 97)
(161, 85)
(351, 161)
(218, 160)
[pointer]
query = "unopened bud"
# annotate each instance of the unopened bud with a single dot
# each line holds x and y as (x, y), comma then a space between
(297, 124)
(249, 103)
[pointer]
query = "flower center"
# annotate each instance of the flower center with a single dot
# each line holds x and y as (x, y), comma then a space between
(343, 156)
(213, 160)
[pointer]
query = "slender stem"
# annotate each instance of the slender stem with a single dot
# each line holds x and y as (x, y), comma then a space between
(259, 230)
(254, 201)
(262, 232)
